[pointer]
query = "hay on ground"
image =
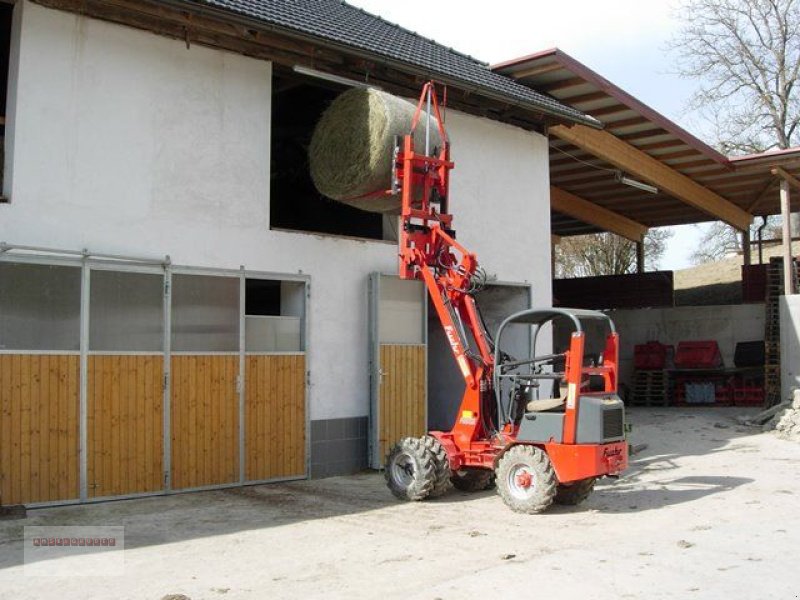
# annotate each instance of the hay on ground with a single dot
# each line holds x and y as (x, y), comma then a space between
(351, 149)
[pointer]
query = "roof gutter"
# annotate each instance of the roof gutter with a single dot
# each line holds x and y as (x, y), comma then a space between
(398, 64)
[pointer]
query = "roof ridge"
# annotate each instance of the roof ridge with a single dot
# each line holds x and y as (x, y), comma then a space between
(415, 33)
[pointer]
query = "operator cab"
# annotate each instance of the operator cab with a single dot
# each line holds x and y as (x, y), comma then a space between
(532, 395)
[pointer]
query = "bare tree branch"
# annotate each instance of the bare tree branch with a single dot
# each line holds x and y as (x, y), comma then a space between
(607, 254)
(746, 55)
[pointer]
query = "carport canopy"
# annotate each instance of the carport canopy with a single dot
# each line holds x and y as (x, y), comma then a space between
(693, 182)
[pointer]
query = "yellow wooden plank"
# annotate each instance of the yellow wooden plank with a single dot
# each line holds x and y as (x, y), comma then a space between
(5, 427)
(73, 402)
(39, 486)
(16, 431)
(59, 380)
(234, 417)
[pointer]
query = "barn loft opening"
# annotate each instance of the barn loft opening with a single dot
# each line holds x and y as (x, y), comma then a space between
(297, 104)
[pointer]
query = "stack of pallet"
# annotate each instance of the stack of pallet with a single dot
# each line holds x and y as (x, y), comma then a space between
(772, 330)
(649, 377)
(649, 388)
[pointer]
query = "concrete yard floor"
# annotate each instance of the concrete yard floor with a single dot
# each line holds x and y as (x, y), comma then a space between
(709, 510)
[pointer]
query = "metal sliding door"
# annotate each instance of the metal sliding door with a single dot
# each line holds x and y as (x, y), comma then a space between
(275, 376)
(205, 381)
(398, 362)
(40, 307)
(125, 382)
(120, 378)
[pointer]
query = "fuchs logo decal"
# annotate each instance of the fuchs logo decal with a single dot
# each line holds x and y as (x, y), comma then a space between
(450, 332)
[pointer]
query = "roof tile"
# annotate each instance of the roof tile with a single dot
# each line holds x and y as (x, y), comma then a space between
(340, 23)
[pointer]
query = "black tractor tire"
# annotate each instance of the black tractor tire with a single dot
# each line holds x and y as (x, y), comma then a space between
(409, 470)
(526, 480)
(574, 493)
(441, 466)
(472, 480)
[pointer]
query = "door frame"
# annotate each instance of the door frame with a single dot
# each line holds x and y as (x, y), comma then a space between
(374, 460)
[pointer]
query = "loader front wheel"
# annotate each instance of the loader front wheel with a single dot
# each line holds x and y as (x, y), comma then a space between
(574, 493)
(409, 470)
(441, 466)
(526, 480)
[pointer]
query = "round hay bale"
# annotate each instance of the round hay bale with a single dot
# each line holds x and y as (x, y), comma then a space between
(351, 149)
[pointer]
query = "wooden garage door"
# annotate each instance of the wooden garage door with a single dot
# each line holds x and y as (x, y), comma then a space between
(39, 428)
(204, 380)
(398, 332)
(402, 393)
(125, 383)
(39, 382)
(275, 441)
(205, 420)
(125, 424)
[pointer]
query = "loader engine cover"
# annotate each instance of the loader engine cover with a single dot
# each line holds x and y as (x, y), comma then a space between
(601, 419)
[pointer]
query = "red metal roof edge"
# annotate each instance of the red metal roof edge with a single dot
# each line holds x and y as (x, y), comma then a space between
(523, 59)
(581, 70)
(784, 154)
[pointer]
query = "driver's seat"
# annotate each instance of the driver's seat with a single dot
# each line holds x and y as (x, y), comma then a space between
(546, 404)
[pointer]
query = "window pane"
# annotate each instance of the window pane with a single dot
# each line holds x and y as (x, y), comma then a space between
(402, 311)
(205, 313)
(40, 307)
(126, 312)
(272, 334)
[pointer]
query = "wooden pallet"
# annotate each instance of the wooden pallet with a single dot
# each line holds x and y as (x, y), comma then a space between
(772, 329)
(649, 388)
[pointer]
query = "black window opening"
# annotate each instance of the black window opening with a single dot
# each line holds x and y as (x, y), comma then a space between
(6, 12)
(274, 315)
(297, 104)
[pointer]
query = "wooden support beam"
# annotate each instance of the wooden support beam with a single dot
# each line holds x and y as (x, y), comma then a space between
(593, 214)
(790, 179)
(555, 240)
(639, 164)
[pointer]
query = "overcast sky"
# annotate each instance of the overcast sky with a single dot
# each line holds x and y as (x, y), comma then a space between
(623, 40)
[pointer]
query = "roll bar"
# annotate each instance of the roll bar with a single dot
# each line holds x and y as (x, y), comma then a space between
(538, 317)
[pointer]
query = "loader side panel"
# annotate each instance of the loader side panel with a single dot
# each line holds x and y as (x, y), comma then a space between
(542, 427)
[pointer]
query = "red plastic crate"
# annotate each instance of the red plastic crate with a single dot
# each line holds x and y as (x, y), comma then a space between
(748, 396)
(698, 355)
(650, 356)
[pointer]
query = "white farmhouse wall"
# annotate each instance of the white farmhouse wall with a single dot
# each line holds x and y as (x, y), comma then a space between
(130, 143)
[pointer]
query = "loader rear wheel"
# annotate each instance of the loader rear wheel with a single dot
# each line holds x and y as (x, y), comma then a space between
(472, 480)
(574, 493)
(526, 480)
(409, 470)
(441, 466)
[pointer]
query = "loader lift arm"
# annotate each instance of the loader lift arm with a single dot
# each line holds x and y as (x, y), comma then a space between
(430, 252)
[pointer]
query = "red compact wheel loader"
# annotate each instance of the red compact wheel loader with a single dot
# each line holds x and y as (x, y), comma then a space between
(537, 450)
